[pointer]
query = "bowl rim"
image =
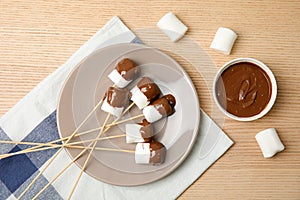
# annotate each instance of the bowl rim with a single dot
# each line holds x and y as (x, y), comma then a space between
(273, 88)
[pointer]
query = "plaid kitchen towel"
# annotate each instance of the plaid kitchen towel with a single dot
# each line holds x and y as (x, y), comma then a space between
(34, 119)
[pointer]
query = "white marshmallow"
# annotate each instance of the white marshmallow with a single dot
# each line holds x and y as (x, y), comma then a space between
(110, 109)
(269, 142)
(117, 79)
(142, 153)
(139, 98)
(133, 134)
(172, 26)
(223, 40)
(151, 114)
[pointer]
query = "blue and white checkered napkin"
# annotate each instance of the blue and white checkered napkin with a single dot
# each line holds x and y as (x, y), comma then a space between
(34, 119)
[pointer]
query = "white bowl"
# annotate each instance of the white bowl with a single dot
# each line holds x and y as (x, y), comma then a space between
(273, 85)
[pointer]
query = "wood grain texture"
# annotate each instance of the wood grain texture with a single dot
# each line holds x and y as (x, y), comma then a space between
(38, 36)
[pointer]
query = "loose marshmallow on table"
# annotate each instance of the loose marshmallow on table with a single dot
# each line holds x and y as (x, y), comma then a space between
(116, 99)
(144, 92)
(223, 40)
(140, 132)
(150, 153)
(269, 142)
(160, 108)
(125, 71)
(172, 26)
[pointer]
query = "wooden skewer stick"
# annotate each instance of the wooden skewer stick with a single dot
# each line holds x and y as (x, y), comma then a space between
(76, 147)
(97, 129)
(62, 139)
(116, 150)
(48, 146)
(69, 164)
(25, 143)
(66, 138)
(115, 122)
(78, 156)
(51, 144)
(88, 158)
(62, 171)
(56, 154)
(103, 149)
(125, 120)
(118, 122)
(37, 148)
(95, 143)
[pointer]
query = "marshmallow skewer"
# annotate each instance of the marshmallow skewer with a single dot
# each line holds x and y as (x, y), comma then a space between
(140, 132)
(125, 71)
(160, 108)
(115, 100)
(144, 92)
(150, 153)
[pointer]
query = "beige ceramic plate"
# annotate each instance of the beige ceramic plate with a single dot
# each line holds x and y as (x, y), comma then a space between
(87, 84)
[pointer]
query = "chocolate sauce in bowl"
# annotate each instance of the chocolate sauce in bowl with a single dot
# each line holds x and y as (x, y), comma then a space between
(244, 89)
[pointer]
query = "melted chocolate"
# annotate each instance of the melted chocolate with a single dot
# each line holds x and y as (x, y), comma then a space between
(171, 99)
(148, 88)
(117, 97)
(165, 105)
(244, 89)
(157, 153)
(128, 69)
(146, 131)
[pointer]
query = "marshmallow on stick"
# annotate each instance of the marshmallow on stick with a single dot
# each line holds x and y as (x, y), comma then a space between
(115, 100)
(140, 132)
(150, 153)
(160, 108)
(144, 92)
(125, 71)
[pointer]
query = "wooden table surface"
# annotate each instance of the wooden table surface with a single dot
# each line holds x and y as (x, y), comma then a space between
(39, 36)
